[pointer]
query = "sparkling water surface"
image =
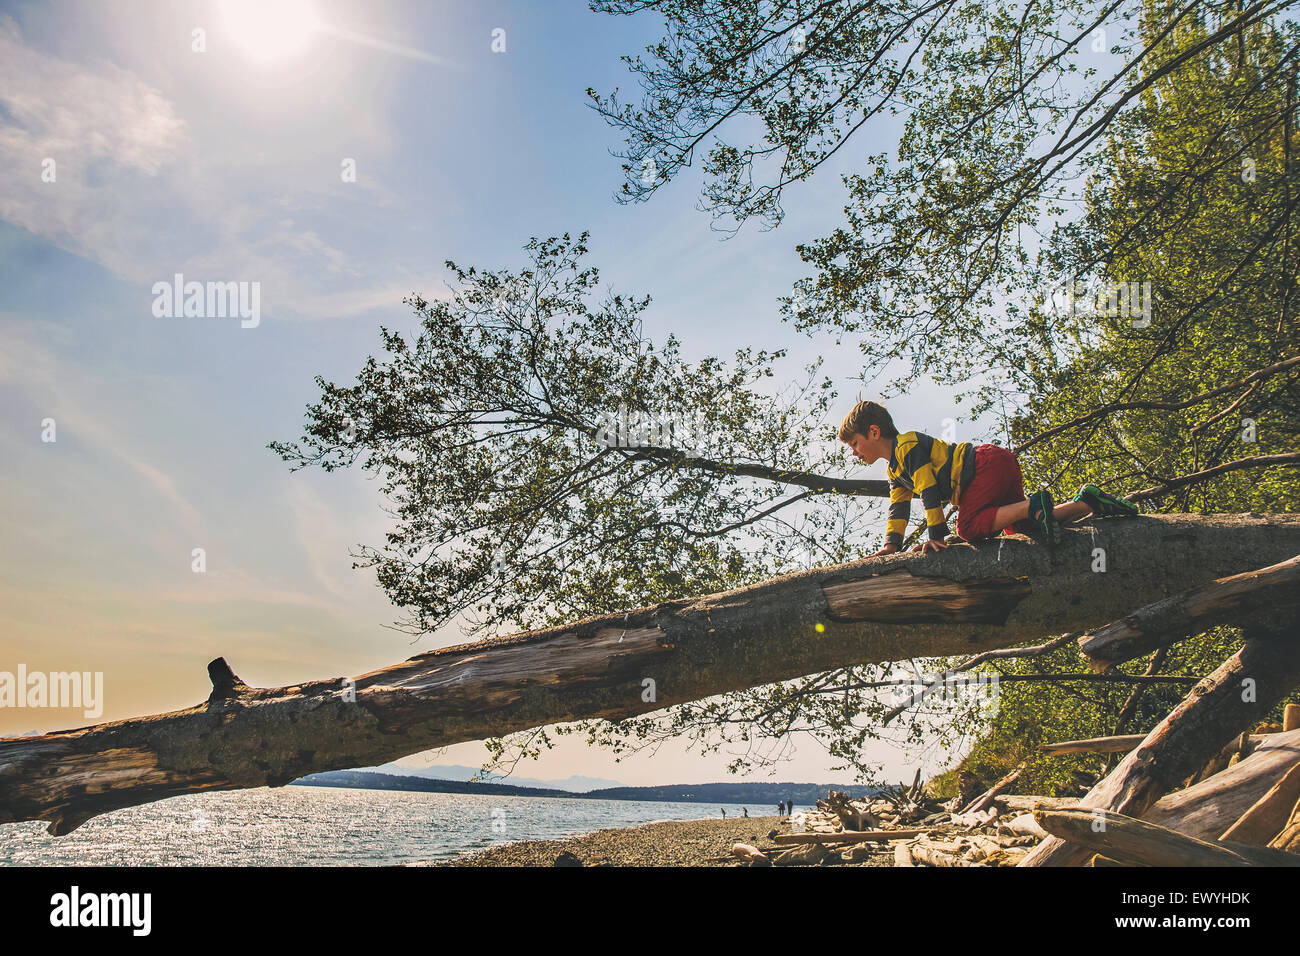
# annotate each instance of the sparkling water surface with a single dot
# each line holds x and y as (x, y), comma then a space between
(296, 826)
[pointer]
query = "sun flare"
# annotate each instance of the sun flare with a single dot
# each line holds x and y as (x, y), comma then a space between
(270, 29)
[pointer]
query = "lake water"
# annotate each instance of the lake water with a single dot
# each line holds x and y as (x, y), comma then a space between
(293, 826)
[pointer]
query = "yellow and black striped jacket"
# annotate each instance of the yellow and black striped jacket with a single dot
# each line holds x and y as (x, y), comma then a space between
(937, 471)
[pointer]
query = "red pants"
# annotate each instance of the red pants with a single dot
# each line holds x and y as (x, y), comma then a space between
(997, 482)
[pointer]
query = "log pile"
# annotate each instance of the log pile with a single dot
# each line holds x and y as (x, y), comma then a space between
(905, 828)
(1245, 814)
(1242, 811)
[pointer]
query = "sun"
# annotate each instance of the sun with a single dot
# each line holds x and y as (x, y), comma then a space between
(270, 29)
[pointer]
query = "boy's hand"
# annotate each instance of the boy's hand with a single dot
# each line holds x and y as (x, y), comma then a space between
(930, 546)
(887, 549)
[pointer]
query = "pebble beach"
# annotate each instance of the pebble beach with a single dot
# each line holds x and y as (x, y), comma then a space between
(674, 843)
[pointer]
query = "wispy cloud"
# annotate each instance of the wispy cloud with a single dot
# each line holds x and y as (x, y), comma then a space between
(138, 189)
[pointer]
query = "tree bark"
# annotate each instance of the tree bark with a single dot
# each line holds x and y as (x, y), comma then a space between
(874, 610)
(1270, 814)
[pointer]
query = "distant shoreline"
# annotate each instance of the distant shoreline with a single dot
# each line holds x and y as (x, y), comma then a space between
(760, 796)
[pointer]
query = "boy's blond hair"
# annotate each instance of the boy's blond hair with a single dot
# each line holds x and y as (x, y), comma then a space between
(862, 416)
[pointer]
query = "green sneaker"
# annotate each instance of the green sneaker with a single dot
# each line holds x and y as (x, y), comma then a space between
(1041, 505)
(1105, 506)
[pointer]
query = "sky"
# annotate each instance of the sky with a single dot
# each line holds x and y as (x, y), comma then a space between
(133, 148)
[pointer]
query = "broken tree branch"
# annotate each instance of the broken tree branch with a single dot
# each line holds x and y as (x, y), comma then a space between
(1271, 591)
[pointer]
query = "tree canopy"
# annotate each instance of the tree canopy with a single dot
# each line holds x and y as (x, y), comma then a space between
(1085, 227)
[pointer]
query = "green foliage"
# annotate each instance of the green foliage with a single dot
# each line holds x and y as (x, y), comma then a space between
(510, 511)
(1169, 204)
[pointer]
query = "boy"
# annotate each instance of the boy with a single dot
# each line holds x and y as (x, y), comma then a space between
(983, 481)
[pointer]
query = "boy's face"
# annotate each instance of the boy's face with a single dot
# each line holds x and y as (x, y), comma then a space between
(861, 446)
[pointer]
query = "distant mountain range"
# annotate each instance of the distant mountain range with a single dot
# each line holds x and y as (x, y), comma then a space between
(753, 794)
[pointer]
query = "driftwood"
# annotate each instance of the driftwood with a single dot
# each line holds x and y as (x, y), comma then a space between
(903, 855)
(1291, 717)
(1109, 745)
(1013, 801)
(1206, 809)
(812, 854)
(1137, 842)
(750, 854)
(905, 800)
(1264, 593)
(982, 801)
(976, 818)
(968, 598)
(1097, 745)
(1025, 825)
(969, 850)
(1267, 666)
(1229, 756)
(1289, 838)
(940, 854)
(851, 818)
(1270, 814)
(848, 836)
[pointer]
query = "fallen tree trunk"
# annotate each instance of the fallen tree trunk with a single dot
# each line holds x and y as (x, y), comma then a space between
(941, 854)
(1013, 801)
(1139, 843)
(875, 610)
(1095, 745)
(1236, 696)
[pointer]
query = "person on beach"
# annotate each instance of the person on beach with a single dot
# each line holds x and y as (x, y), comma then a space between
(780, 809)
(984, 482)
